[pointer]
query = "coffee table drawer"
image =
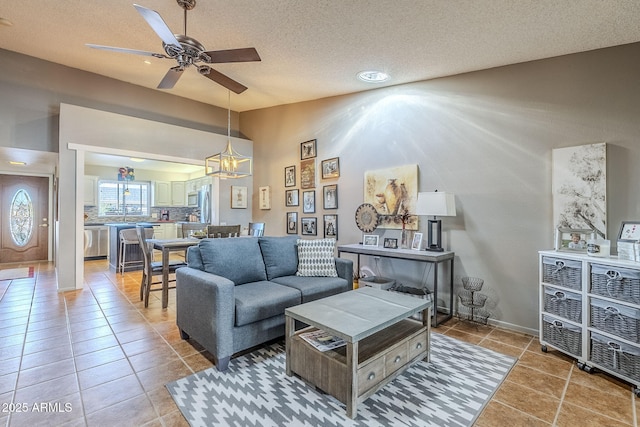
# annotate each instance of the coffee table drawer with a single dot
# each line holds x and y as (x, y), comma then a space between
(370, 374)
(395, 359)
(417, 345)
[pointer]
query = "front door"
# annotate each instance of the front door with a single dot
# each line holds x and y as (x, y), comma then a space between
(23, 218)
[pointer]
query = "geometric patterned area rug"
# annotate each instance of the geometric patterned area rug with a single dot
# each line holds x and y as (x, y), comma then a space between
(451, 390)
(16, 273)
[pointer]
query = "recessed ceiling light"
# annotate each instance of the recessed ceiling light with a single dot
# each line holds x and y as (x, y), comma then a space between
(146, 61)
(373, 76)
(6, 22)
(15, 163)
(136, 159)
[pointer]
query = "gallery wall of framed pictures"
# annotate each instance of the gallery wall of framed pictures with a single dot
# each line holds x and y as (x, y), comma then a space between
(300, 183)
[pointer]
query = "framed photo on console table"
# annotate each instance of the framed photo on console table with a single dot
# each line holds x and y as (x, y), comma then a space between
(390, 243)
(370, 240)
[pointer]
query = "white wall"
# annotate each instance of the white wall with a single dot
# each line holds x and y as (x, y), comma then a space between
(485, 136)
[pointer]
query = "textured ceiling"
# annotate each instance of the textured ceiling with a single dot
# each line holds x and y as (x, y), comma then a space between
(313, 49)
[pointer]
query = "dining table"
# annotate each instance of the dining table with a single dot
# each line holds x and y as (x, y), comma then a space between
(166, 246)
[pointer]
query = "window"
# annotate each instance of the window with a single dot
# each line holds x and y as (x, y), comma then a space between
(113, 199)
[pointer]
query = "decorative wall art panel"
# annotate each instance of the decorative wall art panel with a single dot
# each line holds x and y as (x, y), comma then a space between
(579, 187)
(392, 192)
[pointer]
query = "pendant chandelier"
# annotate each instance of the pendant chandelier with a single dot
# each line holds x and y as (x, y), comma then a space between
(229, 163)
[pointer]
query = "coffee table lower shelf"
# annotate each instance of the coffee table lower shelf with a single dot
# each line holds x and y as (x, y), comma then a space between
(381, 357)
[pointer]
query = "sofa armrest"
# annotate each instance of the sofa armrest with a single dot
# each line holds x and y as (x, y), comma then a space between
(345, 270)
(205, 309)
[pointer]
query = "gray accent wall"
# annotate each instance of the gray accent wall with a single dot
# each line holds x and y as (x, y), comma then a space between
(485, 136)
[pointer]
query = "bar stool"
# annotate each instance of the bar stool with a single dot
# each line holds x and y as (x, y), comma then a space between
(128, 237)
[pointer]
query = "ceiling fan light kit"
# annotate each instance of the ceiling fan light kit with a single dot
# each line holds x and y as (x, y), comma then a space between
(187, 51)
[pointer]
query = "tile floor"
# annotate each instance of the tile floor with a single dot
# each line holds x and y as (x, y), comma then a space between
(97, 357)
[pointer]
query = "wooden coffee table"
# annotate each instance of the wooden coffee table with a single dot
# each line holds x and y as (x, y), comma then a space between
(381, 342)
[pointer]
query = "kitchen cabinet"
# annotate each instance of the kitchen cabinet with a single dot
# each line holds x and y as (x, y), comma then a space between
(90, 190)
(178, 193)
(164, 230)
(590, 310)
(162, 193)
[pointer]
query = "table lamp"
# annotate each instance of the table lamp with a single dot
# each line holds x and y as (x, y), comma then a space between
(435, 204)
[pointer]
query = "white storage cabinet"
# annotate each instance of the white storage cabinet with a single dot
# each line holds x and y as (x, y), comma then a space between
(590, 310)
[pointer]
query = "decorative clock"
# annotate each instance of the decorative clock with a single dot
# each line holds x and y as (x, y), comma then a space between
(366, 217)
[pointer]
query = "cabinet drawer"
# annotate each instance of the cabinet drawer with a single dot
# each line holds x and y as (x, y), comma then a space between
(370, 374)
(395, 359)
(562, 272)
(417, 345)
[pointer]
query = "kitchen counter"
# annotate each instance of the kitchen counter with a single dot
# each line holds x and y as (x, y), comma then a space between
(133, 251)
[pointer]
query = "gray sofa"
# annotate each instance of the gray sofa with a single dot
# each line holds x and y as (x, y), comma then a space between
(233, 292)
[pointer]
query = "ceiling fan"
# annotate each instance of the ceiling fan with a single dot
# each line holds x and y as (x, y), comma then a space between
(188, 51)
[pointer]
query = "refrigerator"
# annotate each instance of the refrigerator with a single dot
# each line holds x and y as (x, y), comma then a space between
(206, 204)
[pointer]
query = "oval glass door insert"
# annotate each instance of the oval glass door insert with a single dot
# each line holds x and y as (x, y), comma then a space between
(21, 218)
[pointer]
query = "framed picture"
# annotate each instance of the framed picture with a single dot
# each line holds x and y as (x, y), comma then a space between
(572, 239)
(629, 231)
(416, 243)
(238, 197)
(309, 201)
(291, 198)
(308, 149)
(308, 173)
(330, 196)
(309, 226)
(391, 243)
(290, 176)
(331, 168)
(370, 240)
(264, 194)
(330, 226)
(292, 222)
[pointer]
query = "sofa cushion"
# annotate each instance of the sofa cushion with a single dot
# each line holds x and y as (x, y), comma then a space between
(238, 259)
(316, 258)
(257, 301)
(313, 288)
(280, 255)
(194, 259)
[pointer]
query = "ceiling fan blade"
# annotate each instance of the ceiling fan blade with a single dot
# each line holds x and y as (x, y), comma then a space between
(223, 80)
(125, 50)
(158, 25)
(171, 78)
(248, 54)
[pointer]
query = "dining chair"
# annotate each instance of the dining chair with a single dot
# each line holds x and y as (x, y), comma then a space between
(256, 229)
(216, 231)
(152, 268)
(187, 227)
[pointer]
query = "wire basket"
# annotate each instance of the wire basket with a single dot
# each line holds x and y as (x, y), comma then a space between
(472, 299)
(616, 356)
(473, 314)
(472, 283)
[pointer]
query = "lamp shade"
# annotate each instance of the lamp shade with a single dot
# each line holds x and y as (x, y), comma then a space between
(436, 203)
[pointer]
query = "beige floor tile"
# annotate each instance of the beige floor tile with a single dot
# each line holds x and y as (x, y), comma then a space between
(497, 414)
(536, 380)
(540, 405)
(573, 416)
(464, 336)
(550, 365)
(602, 401)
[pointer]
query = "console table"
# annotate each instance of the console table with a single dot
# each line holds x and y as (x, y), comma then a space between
(413, 255)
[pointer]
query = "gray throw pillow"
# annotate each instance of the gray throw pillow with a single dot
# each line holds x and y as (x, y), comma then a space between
(237, 258)
(280, 255)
